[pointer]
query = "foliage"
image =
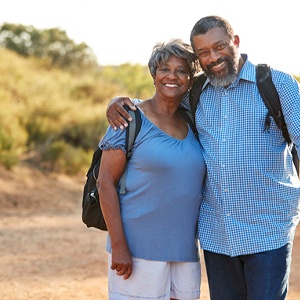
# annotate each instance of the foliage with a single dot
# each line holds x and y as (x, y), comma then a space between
(52, 45)
(62, 157)
(55, 114)
(136, 79)
(85, 135)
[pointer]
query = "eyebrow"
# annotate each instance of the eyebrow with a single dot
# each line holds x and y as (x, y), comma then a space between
(216, 43)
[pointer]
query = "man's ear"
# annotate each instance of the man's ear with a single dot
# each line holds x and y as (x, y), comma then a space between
(236, 41)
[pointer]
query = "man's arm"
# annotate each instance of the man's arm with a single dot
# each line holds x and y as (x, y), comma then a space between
(116, 114)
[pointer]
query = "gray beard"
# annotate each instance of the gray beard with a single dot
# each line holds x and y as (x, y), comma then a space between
(222, 81)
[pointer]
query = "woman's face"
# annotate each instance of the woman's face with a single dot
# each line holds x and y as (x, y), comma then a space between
(173, 78)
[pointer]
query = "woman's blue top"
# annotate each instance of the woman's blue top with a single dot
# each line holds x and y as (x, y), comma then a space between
(164, 192)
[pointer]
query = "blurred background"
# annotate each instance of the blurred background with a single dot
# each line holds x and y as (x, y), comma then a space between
(61, 62)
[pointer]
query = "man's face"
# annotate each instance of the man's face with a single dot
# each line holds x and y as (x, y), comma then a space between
(218, 56)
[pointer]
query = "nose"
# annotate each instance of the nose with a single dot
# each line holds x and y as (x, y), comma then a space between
(214, 55)
(172, 74)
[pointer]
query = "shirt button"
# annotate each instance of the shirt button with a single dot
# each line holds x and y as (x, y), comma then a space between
(228, 215)
(224, 140)
(223, 165)
(226, 190)
(225, 117)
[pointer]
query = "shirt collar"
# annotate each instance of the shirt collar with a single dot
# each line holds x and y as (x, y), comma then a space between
(247, 72)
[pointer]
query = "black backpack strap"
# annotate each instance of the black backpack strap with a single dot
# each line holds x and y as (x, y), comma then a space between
(131, 133)
(195, 92)
(271, 99)
(189, 117)
(296, 160)
(132, 130)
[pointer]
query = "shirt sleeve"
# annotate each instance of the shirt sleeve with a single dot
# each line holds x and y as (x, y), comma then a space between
(113, 139)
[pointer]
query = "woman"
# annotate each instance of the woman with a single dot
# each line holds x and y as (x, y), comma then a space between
(152, 240)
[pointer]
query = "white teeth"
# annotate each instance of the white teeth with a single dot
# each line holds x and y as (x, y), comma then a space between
(218, 66)
(171, 85)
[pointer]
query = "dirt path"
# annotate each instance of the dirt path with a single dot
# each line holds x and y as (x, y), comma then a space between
(47, 253)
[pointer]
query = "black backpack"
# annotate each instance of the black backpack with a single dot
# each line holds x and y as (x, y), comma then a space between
(270, 97)
(91, 211)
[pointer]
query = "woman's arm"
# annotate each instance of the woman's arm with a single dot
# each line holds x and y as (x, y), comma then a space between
(113, 164)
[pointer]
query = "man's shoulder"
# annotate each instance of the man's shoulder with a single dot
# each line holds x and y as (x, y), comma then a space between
(283, 80)
(248, 72)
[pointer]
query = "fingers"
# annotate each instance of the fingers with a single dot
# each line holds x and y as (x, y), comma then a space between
(116, 122)
(128, 273)
(116, 115)
(122, 269)
(129, 103)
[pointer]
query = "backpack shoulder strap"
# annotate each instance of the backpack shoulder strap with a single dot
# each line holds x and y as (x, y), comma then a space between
(132, 130)
(189, 117)
(271, 99)
(131, 133)
(195, 92)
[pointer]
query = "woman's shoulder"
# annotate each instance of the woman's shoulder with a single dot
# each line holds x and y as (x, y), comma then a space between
(113, 139)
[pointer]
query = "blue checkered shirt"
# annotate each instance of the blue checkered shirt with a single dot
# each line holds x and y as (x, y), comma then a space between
(252, 193)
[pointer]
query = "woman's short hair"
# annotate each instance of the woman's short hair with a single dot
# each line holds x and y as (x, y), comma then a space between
(176, 47)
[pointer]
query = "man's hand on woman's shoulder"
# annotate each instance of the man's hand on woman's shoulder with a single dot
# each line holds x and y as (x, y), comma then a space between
(116, 114)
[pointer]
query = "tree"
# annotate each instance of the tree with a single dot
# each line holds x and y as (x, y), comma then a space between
(52, 45)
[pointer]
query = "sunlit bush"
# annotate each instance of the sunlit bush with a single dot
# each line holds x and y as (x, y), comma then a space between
(64, 158)
(59, 115)
(13, 136)
(85, 135)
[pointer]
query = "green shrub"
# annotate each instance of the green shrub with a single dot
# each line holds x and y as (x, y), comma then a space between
(13, 139)
(8, 159)
(57, 114)
(63, 158)
(85, 135)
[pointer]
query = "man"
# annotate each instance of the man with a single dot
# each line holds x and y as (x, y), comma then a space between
(251, 201)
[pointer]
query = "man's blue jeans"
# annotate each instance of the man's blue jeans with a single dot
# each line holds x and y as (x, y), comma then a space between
(260, 276)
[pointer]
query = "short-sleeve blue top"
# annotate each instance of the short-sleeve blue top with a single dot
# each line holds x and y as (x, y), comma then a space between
(164, 192)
